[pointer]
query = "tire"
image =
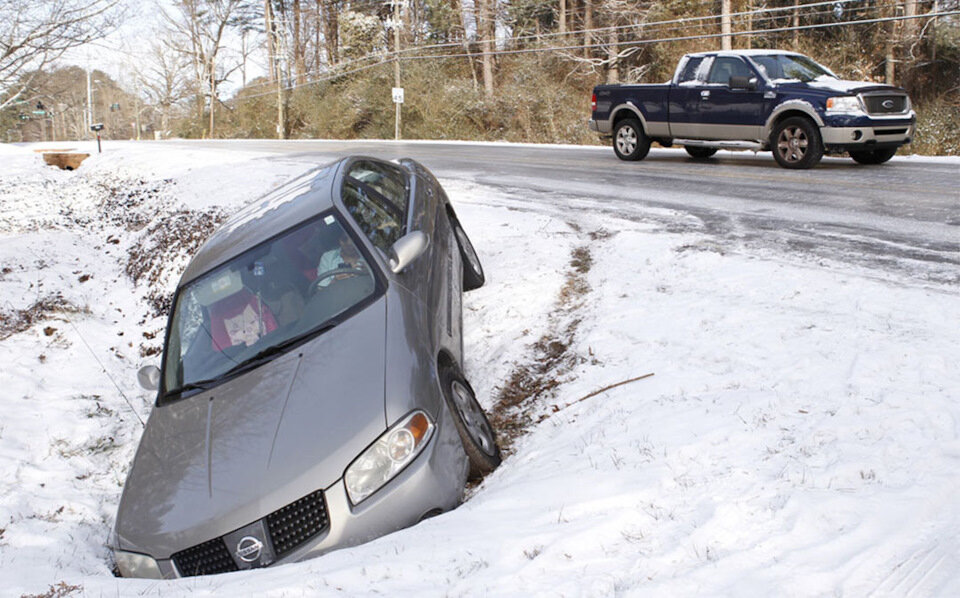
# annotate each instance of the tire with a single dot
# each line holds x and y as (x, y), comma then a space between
(629, 141)
(700, 153)
(476, 433)
(796, 143)
(473, 277)
(875, 156)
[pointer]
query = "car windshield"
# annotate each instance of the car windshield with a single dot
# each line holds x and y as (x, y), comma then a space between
(263, 302)
(786, 66)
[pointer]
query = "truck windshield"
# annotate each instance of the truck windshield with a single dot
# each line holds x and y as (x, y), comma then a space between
(786, 66)
(263, 302)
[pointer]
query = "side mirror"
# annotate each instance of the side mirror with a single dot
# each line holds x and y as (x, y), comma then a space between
(406, 249)
(747, 83)
(149, 377)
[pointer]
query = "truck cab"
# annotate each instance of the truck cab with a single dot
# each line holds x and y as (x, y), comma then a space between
(764, 100)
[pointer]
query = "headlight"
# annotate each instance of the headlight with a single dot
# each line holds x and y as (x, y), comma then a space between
(386, 457)
(132, 564)
(847, 104)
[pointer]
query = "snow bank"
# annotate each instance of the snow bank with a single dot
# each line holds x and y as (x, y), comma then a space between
(799, 435)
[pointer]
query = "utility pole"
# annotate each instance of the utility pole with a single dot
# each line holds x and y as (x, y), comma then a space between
(396, 65)
(725, 25)
(89, 103)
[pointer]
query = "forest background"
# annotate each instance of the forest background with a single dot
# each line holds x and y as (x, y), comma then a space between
(512, 70)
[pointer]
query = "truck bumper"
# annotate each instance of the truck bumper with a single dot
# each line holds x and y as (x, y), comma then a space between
(869, 135)
(599, 126)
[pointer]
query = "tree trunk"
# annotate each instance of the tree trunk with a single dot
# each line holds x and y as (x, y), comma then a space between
(726, 43)
(563, 16)
(613, 69)
(299, 41)
(795, 23)
(486, 43)
(332, 33)
(587, 26)
(213, 93)
(268, 29)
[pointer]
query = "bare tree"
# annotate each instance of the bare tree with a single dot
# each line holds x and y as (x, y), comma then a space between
(200, 29)
(33, 34)
(164, 75)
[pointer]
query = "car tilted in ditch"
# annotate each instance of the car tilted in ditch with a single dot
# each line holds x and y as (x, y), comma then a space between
(311, 394)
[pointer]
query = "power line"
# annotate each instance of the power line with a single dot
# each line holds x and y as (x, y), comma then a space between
(638, 42)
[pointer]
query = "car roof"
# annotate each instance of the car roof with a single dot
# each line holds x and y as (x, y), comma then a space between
(745, 53)
(286, 206)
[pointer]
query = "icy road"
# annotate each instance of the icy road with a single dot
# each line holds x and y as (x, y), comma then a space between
(800, 435)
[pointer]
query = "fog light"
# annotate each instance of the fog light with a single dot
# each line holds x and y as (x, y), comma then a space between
(857, 135)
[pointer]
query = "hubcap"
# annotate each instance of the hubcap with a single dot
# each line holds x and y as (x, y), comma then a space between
(473, 418)
(792, 144)
(626, 140)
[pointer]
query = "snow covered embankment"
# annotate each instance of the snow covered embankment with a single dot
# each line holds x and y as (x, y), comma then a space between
(799, 436)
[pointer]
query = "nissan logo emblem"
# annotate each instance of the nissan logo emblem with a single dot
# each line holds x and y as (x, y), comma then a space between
(888, 104)
(248, 549)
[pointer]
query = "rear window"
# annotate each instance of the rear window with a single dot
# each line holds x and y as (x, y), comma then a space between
(690, 70)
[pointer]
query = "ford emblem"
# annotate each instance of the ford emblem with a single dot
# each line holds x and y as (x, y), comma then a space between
(249, 548)
(888, 104)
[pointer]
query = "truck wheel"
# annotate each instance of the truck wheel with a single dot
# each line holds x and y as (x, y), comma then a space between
(796, 143)
(877, 156)
(629, 140)
(700, 153)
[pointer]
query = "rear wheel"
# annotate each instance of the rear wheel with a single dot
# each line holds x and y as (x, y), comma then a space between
(473, 277)
(629, 141)
(700, 153)
(476, 433)
(876, 156)
(796, 143)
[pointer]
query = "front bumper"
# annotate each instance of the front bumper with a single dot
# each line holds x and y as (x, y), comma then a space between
(432, 483)
(858, 133)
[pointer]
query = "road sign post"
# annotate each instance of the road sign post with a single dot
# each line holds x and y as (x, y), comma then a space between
(397, 100)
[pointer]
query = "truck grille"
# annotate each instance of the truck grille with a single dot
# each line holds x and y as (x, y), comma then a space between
(289, 528)
(885, 103)
(297, 522)
(204, 559)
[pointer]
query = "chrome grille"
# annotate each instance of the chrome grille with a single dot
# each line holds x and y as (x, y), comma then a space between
(204, 559)
(885, 103)
(297, 522)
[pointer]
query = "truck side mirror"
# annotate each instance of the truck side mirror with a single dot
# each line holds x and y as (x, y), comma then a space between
(739, 82)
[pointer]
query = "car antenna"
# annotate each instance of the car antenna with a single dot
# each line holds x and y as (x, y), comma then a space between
(97, 359)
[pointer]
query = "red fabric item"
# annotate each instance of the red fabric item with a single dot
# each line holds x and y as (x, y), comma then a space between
(231, 307)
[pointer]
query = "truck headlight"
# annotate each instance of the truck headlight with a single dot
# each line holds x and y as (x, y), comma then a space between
(844, 104)
(132, 564)
(386, 457)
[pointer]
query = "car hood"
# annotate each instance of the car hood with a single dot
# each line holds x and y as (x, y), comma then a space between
(227, 457)
(834, 86)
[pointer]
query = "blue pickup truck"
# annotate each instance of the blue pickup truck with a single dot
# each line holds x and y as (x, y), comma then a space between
(762, 100)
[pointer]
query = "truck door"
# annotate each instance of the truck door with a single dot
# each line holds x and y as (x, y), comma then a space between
(684, 103)
(726, 113)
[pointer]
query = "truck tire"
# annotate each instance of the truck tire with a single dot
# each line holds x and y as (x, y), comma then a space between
(875, 156)
(700, 153)
(796, 143)
(629, 141)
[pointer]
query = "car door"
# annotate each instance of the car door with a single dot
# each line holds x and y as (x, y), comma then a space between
(727, 113)
(685, 97)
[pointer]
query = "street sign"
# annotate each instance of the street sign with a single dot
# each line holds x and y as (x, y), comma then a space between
(397, 95)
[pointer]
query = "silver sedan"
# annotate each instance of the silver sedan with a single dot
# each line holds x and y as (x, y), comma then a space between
(311, 394)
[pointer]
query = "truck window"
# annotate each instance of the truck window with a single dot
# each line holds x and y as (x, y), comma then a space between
(689, 73)
(725, 67)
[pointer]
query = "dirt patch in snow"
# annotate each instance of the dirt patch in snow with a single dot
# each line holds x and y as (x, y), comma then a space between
(550, 358)
(51, 306)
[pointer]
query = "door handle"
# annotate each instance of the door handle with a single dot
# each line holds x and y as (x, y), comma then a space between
(705, 94)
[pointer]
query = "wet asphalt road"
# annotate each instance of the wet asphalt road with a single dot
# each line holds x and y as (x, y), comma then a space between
(902, 216)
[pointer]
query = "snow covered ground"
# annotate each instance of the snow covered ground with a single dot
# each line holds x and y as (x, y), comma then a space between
(799, 436)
